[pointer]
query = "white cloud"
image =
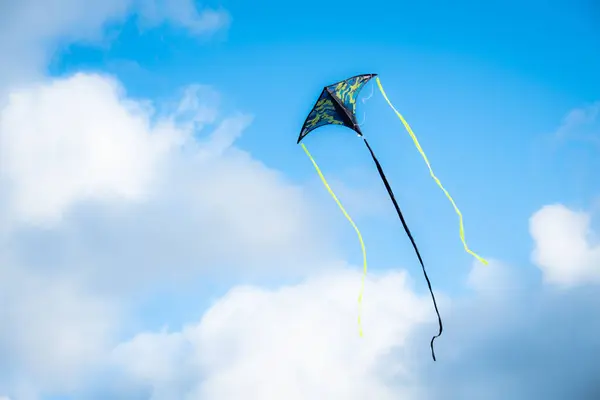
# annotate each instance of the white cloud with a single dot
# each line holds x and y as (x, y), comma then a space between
(301, 342)
(127, 189)
(30, 29)
(77, 139)
(38, 22)
(581, 124)
(296, 342)
(493, 281)
(154, 204)
(566, 250)
(55, 140)
(184, 14)
(129, 199)
(54, 331)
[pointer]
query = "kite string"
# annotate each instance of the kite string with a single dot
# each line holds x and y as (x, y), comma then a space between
(360, 238)
(435, 178)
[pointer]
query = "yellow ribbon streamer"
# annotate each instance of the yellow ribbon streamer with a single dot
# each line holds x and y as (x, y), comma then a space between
(418, 146)
(360, 238)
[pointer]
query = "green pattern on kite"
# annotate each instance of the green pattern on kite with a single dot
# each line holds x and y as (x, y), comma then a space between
(336, 105)
(347, 92)
(324, 112)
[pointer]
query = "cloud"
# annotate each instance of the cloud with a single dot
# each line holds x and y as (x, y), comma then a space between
(296, 342)
(494, 281)
(183, 13)
(532, 344)
(507, 339)
(566, 249)
(56, 327)
(79, 20)
(126, 188)
(581, 124)
(74, 139)
(54, 330)
(299, 342)
(114, 197)
(30, 30)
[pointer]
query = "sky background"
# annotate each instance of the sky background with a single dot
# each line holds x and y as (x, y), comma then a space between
(163, 237)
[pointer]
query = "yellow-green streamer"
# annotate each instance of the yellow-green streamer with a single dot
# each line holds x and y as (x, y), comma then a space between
(360, 238)
(418, 146)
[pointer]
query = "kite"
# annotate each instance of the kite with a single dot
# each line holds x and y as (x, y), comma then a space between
(337, 106)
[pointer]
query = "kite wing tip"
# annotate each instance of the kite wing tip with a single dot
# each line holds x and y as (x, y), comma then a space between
(302, 135)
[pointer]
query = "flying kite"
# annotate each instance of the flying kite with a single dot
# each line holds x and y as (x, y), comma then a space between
(337, 106)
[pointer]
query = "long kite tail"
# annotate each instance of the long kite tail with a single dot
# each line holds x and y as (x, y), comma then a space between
(435, 178)
(412, 241)
(360, 238)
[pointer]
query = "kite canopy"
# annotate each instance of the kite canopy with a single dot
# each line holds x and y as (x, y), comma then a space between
(336, 105)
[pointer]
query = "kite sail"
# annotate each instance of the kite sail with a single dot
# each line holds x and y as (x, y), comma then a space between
(337, 106)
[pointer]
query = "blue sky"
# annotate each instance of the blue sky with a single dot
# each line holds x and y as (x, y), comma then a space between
(486, 86)
(158, 239)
